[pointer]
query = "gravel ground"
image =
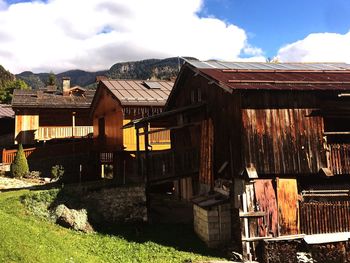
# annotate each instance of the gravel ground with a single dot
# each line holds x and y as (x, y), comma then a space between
(11, 183)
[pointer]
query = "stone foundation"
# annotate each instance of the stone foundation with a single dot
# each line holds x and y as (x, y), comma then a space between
(213, 225)
(109, 204)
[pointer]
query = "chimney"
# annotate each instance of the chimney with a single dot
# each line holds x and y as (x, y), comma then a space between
(66, 85)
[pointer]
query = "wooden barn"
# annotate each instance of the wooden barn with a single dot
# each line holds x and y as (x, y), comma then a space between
(265, 149)
(118, 102)
(47, 113)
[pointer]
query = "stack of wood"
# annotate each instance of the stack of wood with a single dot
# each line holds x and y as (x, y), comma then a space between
(331, 252)
(282, 251)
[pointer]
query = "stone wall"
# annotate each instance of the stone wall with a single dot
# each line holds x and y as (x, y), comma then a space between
(118, 204)
(107, 203)
(213, 225)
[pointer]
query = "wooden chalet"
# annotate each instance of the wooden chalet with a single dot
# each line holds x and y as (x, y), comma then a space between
(47, 113)
(263, 147)
(118, 102)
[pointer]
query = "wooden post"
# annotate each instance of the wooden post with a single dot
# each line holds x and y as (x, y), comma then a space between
(138, 153)
(73, 123)
(145, 128)
(3, 155)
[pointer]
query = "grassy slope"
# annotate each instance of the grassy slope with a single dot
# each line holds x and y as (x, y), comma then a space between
(26, 238)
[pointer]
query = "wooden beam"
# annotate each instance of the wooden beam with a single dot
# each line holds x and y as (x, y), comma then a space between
(171, 128)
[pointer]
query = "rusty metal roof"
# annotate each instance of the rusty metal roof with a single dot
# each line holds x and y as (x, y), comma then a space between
(6, 111)
(42, 99)
(139, 92)
(214, 64)
(292, 79)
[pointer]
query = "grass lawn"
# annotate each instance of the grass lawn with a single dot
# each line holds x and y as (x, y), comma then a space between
(25, 237)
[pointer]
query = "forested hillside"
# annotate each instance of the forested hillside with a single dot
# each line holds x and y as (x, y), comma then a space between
(8, 83)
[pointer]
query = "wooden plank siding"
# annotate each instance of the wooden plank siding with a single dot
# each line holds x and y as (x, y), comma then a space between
(25, 127)
(324, 217)
(267, 202)
(158, 140)
(339, 158)
(206, 153)
(287, 197)
(283, 141)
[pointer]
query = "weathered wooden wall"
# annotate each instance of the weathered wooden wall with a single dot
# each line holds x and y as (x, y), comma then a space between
(317, 217)
(206, 153)
(109, 109)
(288, 210)
(283, 141)
(339, 158)
(266, 200)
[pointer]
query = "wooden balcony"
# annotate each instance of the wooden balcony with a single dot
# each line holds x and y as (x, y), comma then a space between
(8, 156)
(339, 158)
(48, 133)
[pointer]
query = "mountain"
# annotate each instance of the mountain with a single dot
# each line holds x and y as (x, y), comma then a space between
(5, 76)
(33, 80)
(164, 69)
(147, 69)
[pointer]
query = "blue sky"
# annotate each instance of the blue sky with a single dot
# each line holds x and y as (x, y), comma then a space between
(271, 24)
(92, 35)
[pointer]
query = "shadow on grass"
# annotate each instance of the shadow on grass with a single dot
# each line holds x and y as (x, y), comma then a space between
(47, 186)
(180, 236)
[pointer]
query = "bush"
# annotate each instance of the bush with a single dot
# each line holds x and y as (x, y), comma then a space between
(19, 167)
(32, 175)
(57, 171)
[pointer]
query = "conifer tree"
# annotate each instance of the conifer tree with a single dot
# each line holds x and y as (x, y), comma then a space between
(19, 167)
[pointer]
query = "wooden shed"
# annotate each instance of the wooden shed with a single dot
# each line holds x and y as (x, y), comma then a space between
(273, 137)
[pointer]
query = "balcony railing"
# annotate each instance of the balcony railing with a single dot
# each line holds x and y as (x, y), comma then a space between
(8, 156)
(47, 133)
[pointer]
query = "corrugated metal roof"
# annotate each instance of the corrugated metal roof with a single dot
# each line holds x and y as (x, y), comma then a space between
(40, 99)
(281, 80)
(267, 66)
(6, 111)
(138, 92)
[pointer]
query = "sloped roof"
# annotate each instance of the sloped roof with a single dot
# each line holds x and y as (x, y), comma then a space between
(277, 76)
(214, 64)
(42, 99)
(139, 92)
(6, 111)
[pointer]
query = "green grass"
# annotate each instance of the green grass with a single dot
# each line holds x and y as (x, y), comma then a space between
(26, 237)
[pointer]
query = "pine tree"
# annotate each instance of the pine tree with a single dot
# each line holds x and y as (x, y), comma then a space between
(19, 167)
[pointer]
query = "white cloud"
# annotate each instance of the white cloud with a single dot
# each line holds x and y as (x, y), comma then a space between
(94, 34)
(318, 47)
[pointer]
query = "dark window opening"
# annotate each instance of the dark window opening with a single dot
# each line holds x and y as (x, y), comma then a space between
(101, 127)
(337, 129)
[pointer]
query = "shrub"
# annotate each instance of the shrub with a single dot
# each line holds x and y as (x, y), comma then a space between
(57, 171)
(19, 167)
(32, 175)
